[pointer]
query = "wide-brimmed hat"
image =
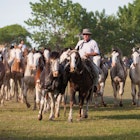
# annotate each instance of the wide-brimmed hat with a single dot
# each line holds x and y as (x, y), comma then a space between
(86, 31)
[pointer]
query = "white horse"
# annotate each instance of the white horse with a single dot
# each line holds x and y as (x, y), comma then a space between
(134, 74)
(28, 79)
(118, 73)
(8, 82)
(34, 65)
(101, 82)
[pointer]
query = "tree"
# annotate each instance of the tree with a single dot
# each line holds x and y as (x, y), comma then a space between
(57, 23)
(129, 29)
(12, 33)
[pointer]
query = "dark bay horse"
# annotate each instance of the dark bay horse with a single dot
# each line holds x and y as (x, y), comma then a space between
(80, 80)
(52, 83)
(118, 73)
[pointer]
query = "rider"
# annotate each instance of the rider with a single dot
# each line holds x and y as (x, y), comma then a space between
(89, 50)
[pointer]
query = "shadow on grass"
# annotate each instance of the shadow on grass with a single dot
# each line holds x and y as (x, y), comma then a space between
(128, 136)
(121, 117)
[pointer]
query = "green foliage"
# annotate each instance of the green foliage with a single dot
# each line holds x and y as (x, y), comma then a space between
(56, 22)
(59, 23)
(13, 33)
(129, 29)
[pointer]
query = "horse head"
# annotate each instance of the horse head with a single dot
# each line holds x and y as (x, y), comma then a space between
(46, 54)
(75, 60)
(54, 63)
(135, 58)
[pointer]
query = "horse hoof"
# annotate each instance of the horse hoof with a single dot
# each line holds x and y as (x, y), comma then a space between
(104, 104)
(86, 116)
(79, 119)
(133, 103)
(56, 115)
(40, 117)
(51, 119)
(70, 120)
(121, 105)
(28, 105)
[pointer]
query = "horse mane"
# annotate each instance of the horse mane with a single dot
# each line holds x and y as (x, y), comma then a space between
(54, 55)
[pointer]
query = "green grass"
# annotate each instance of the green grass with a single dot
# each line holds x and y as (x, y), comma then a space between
(104, 123)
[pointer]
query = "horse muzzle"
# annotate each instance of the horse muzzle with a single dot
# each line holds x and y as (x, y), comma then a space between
(55, 73)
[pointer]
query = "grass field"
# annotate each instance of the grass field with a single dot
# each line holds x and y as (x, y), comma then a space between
(104, 123)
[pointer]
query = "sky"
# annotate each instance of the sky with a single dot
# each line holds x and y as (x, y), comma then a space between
(17, 11)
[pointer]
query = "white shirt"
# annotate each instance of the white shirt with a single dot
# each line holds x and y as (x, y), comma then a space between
(22, 46)
(87, 47)
(18, 53)
(12, 53)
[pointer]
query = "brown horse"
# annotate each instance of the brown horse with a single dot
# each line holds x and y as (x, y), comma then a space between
(51, 83)
(80, 80)
(17, 73)
(2, 75)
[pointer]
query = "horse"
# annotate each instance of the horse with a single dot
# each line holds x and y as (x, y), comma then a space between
(2, 75)
(134, 74)
(101, 82)
(118, 73)
(17, 73)
(40, 59)
(81, 80)
(52, 83)
(29, 74)
(6, 81)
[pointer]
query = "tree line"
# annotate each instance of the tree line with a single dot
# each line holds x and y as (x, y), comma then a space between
(58, 24)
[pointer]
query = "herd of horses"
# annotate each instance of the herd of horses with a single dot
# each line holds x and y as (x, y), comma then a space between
(50, 74)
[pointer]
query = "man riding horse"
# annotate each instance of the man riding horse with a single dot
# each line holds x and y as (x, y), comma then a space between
(89, 51)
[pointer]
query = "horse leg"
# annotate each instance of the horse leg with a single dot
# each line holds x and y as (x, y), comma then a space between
(41, 107)
(51, 117)
(37, 94)
(16, 90)
(115, 93)
(2, 95)
(133, 93)
(81, 109)
(121, 91)
(64, 100)
(25, 90)
(34, 108)
(57, 107)
(138, 103)
(87, 103)
(12, 90)
(72, 96)
(96, 95)
(102, 85)
(20, 85)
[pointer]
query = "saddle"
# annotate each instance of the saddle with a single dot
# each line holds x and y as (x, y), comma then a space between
(92, 70)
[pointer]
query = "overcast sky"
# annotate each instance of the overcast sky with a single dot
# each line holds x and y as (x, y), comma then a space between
(17, 11)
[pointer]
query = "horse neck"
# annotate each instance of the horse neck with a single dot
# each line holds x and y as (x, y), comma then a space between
(7, 67)
(137, 69)
(47, 67)
(28, 71)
